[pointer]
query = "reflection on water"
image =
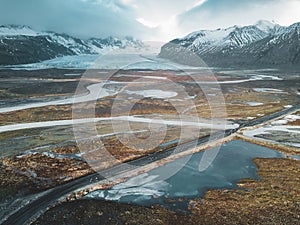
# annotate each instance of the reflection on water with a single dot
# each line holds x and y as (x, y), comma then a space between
(233, 163)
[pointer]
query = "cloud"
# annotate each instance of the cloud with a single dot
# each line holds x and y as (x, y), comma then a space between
(224, 13)
(145, 19)
(83, 18)
(147, 23)
(161, 15)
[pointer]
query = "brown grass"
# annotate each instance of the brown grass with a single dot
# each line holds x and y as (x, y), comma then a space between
(272, 200)
(275, 146)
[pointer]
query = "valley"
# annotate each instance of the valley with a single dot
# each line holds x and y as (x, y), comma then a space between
(99, 127)
(53, 137)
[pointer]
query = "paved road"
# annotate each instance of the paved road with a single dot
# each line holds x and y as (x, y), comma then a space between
(26, 213)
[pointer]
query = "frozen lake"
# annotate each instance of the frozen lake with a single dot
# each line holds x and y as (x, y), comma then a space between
(233, 163)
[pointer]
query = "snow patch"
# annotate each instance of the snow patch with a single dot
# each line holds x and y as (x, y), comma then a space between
(17, 30)
(141, 76)
(270, 90)
(286, 119)
(255, 103)
(154, 94)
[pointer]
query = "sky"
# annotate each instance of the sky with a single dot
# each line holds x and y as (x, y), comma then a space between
(159, 20)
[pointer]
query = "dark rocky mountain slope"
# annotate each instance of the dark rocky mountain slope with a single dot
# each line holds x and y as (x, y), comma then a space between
(261, 44)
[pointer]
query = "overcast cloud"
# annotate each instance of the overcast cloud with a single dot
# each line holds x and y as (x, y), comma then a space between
(215, 14)
(84, 18)
(145, 19)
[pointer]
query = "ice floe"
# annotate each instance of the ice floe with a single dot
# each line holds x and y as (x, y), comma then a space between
(154, 188)
(142, 185)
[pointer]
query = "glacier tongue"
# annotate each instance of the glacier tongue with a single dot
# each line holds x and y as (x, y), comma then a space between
(23, 45)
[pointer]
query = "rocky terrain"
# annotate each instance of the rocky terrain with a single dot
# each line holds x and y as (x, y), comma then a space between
(22, 45)
(264, 43)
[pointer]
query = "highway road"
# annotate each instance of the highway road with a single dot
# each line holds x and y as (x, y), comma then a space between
(29, 211)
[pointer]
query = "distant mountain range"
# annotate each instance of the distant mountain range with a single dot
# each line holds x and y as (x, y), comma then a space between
(264, 43)
(22, 45)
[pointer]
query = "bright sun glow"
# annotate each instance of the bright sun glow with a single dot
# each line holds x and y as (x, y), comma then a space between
(147, 23)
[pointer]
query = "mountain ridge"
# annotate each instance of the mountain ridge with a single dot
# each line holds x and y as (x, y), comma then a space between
(263, 43)
(22, 45)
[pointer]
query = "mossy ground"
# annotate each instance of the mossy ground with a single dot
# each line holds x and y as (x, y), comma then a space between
(275, 199)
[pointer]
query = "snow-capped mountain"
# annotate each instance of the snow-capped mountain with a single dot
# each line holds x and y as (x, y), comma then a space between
(262, 43)
(212, 40)
(21, 45)
(13, 30)
(266, 26)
